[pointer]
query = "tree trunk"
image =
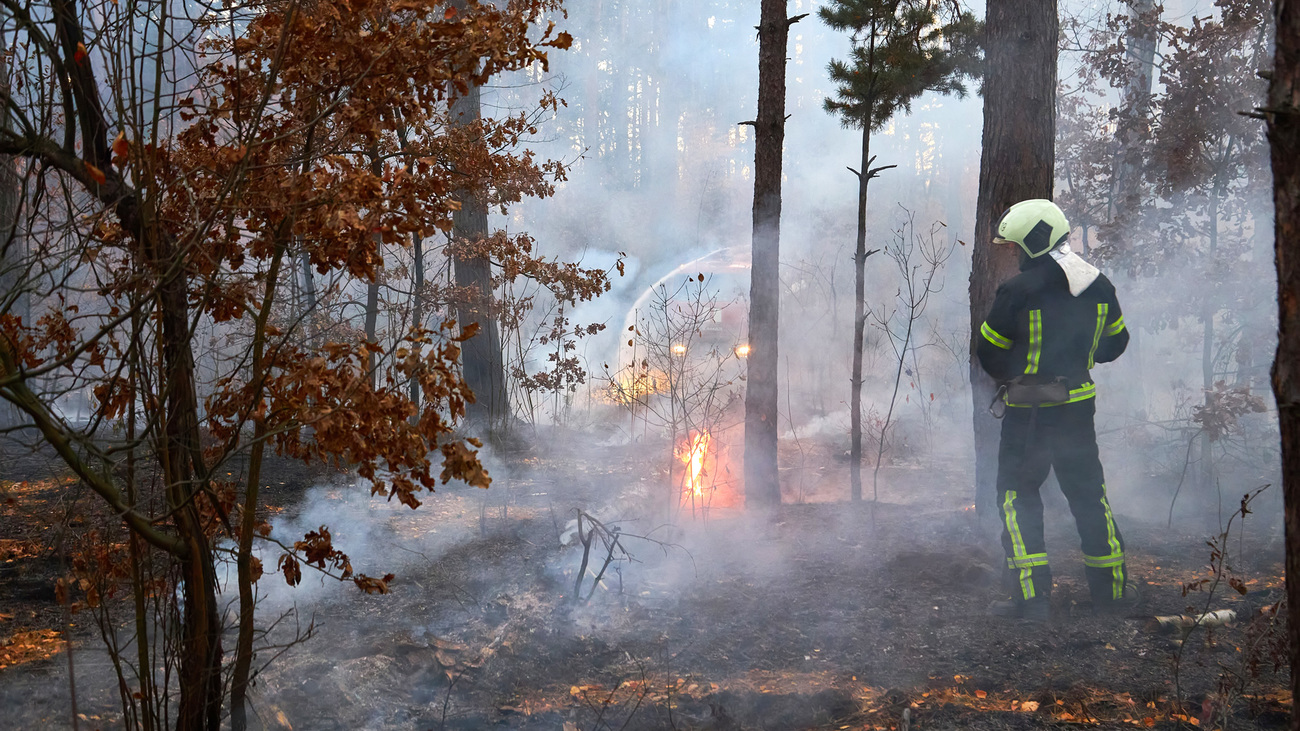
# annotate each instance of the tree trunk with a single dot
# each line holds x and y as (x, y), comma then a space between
(308, 297)
(1141, 39)
(859, 322)
(1209, 311)
(241, 673)
(591, 106)
(372, 287)
(1127, 188)
(762, 482)
(200, 646)
(372, 326)
(417, 310)
(12, 245)
(1016, 164)
(1284, 136)
(481, 357)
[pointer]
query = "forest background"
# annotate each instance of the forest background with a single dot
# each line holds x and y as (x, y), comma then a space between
(356, 303)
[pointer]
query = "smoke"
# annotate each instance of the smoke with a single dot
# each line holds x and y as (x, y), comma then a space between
(661, 175)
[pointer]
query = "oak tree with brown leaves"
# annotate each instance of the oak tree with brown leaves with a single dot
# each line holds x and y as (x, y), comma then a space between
(178, 164)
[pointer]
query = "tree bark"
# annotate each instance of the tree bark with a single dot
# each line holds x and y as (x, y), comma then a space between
(1016, 164)
(200, 654)
(762, 482)
(1134, 128)
(372, 287)
(1283, 117)
(241, 673)
(308, 297)
(417, 311)
(12, 246)
(481, 357)
(859, 322)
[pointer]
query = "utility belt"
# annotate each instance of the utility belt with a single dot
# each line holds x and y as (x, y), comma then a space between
(1031, 391)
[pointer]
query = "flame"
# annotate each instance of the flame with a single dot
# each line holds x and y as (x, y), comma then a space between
(631, 386)
(742, 351)
(679, 349)
(692, 454)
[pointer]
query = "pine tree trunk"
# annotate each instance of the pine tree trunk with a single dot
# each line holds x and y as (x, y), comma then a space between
(1284, 136)
(1016, 164)
(481, 356)
(762, 482)
(859, 323)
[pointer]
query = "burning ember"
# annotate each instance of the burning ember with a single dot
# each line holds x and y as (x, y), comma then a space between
(692, 453)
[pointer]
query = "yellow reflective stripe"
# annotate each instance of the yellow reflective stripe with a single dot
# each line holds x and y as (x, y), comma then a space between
(1104, 562)
(1018, 550)
(1035, 340)
(1082, 393)
(1112, 538)
(1029, 561)
(993, 336)
(1103, 310)
(1115, 327)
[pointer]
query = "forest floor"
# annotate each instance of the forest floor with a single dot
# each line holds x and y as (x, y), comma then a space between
(819, 616)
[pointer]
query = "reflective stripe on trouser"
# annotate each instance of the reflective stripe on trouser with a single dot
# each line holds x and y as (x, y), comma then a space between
(1106, 571)
(1029, 574)
(1060, 438)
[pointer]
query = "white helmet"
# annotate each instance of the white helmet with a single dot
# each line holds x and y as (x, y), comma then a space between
(1037, 225)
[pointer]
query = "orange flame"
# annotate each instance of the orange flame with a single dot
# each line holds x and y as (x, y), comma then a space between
(693, 456)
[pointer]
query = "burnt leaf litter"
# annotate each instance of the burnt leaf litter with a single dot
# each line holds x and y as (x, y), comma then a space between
(810, 619)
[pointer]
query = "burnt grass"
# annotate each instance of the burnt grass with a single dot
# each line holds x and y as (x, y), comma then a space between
(820, 615)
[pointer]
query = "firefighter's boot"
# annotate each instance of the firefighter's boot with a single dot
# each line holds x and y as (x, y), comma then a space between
(1125, 604)
(1038, 609)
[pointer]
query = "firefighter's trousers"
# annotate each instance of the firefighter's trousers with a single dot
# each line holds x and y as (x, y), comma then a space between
(1062, 438)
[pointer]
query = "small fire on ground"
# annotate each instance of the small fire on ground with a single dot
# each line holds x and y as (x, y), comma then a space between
(707, 479)
(693, 453)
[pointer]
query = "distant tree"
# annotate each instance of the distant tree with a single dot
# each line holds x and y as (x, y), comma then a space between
(901, 50)
(481, 358)
(1172, 181)
(14, 298)
(1101, 149)
(1283, 115)
(762, 482)
(1016, 164)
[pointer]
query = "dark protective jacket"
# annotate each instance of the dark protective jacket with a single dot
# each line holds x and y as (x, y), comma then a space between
(1038, 330)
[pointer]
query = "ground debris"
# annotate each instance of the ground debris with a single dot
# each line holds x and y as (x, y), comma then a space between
(27, 646)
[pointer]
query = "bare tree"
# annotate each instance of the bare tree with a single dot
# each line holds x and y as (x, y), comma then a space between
(919, 257)
(900, 51)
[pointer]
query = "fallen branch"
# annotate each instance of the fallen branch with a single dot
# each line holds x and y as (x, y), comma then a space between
(611, 536)
(1185, 623)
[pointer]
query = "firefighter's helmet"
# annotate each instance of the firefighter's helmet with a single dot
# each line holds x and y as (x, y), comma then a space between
(1037, 226)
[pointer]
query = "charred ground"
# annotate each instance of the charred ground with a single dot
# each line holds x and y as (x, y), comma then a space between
(808, 618)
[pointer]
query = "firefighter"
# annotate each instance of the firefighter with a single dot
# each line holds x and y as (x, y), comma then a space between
(1048, 327)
